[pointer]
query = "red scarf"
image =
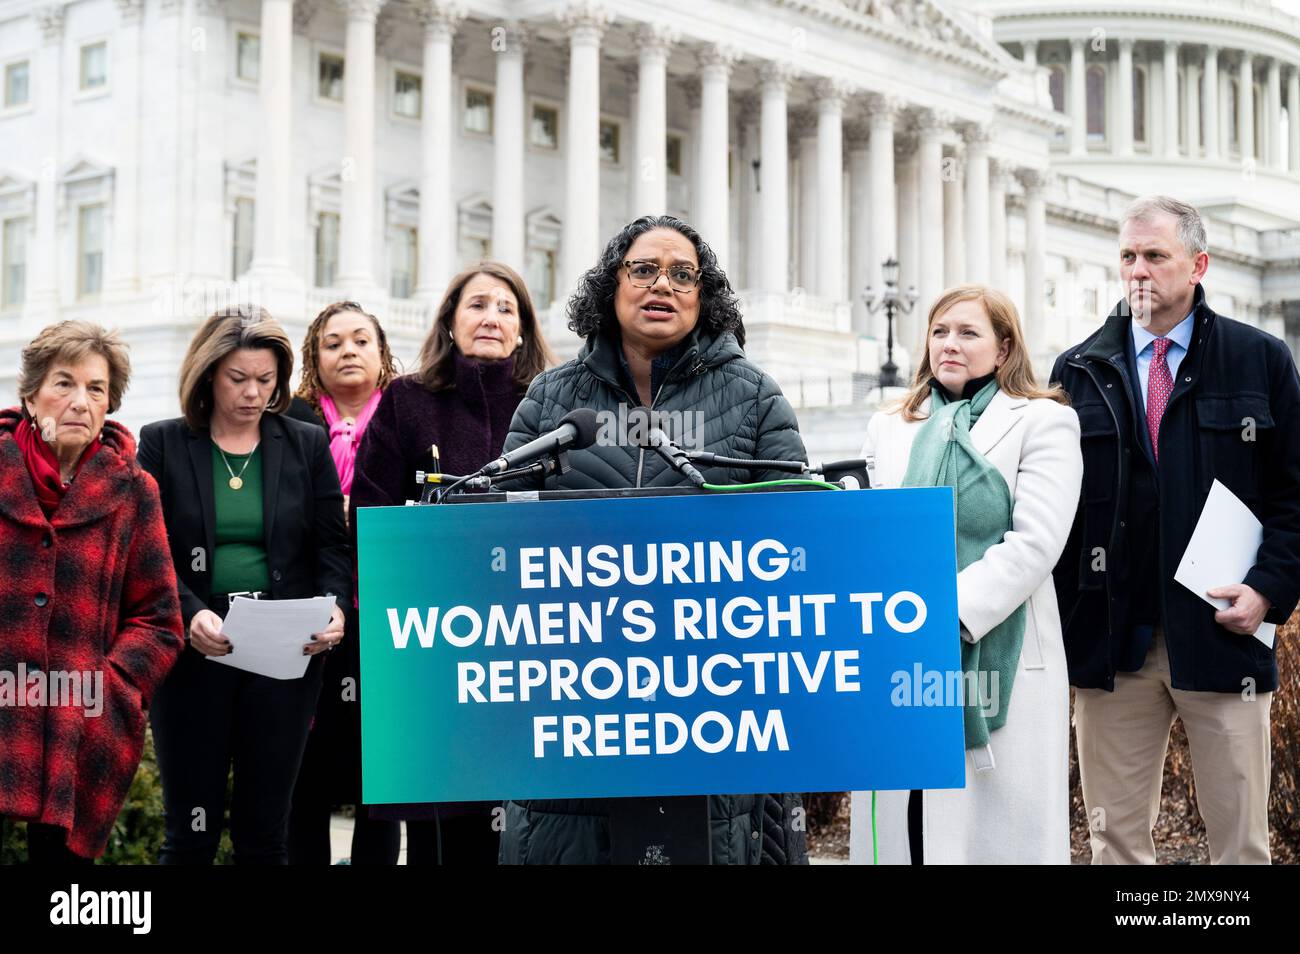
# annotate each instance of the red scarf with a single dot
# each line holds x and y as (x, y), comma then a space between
(44, 466)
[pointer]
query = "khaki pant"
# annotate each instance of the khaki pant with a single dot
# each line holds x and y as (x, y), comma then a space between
(1123, 737)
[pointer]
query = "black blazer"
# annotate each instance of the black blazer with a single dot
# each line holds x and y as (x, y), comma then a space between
(306, 542)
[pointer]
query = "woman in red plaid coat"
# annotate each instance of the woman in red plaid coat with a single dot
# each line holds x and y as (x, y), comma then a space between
(90, 621)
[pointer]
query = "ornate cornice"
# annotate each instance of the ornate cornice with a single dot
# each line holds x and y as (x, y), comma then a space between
(49, 17)
(584, 19)
(130, 11)
(441, 18)
(915, 25)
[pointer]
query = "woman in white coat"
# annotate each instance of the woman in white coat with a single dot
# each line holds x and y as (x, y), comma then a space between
(1011, 452)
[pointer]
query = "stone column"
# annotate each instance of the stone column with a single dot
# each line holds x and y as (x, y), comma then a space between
(775, 178)
(1171, 100)
(910, 253)
(1035, 315)
(977, 203)
(1124, 101)
(124, 260)
(713, 206)
(437, 236)
(1031, 54)
(357, 218)
(1212, 129)
(650, 174)
(882, 112)
(1273, 114)
(1246, 105)
(999, 179)
(930, 128)
(750, 195)
(830, 189)
(1078, 100)
(585, 22)
(42, 302)
(1293, 116)
(692, 90)
(860, 222)
(1192, 105)
(508, 148)
(803, 134)
(271, 233)
(954, 218)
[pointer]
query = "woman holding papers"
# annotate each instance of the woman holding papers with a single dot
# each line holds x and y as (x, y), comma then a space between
(976, 420)
(89, 620)
(252, 505)
(451, 415)
(346, 364)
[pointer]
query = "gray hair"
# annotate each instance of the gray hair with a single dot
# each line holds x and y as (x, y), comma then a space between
(1191, 230)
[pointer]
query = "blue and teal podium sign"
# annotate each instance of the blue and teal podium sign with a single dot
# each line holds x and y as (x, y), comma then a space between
(687, 645)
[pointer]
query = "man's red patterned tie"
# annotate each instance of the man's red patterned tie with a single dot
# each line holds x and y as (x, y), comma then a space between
(1160, 384)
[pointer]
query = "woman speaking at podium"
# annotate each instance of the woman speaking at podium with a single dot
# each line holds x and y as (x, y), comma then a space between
(663, 331)
(483, 350)
(976, 421)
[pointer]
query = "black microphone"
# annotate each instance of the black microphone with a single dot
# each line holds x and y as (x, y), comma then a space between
(674, 455)
(577, 430)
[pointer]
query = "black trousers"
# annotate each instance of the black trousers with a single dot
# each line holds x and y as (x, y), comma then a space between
(208, 717)
(330, 773)
(47, 846)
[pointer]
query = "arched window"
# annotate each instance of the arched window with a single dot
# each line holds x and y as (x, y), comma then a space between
(1096, 95)
(1234, 141)
(1284, 132)
(1056, 86)
(1257, 147)
(1200, 108)
(1182, 113)
(1140, 104)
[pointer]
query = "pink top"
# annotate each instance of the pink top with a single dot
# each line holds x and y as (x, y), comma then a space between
(345, 436)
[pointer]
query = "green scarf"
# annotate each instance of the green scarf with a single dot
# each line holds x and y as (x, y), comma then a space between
(943, 456)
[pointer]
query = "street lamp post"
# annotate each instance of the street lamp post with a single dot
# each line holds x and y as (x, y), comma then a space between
(893, 302)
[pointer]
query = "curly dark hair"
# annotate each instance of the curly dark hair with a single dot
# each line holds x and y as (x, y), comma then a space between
(591, 309)
(310, 387)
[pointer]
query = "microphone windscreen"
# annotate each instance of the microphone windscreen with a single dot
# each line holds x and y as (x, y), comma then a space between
(585, 423)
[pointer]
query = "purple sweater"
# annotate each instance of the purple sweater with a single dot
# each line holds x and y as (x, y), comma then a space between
(468, 421)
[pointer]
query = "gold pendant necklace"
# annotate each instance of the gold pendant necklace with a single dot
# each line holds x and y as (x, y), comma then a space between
(236, 480)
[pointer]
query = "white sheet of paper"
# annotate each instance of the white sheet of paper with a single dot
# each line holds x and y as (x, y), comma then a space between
(268, 635)
(1222, 550)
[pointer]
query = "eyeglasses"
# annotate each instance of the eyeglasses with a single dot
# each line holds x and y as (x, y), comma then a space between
(681, 278)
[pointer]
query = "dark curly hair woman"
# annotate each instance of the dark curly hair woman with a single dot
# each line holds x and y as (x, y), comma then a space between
(663, 331)
(346, 366)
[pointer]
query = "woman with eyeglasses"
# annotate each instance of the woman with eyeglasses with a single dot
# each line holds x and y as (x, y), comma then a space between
(663, 331)
(346, 364)
(483, 350)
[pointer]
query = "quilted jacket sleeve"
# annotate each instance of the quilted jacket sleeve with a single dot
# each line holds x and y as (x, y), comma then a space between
(778, 430)
(524, 426)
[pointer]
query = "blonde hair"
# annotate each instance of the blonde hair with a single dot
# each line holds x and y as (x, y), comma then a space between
(1015, 376)
(73, 341)
(227, 331)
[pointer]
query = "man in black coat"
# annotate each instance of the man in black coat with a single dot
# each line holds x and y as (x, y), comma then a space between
(1170, 398)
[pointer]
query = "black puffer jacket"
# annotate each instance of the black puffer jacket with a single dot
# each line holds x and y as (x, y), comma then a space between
(740, 408)
(744, 414)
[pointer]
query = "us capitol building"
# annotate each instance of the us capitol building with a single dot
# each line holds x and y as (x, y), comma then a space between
(162, 158)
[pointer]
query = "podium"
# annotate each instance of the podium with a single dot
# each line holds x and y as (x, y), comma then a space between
(770, 625)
